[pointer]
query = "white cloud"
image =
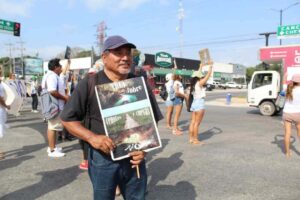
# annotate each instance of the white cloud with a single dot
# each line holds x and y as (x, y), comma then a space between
(15, 8)
(114, 4)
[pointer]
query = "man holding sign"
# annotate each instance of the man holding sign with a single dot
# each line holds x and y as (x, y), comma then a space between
(106, 174)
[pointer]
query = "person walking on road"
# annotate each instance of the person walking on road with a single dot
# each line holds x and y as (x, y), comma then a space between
(291, 111)
(52, 83)
(197, 90)
(34, 88)
(106, 174)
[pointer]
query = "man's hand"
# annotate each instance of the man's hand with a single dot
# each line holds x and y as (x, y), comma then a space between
(137, 157)
(102, 142)
(67, 97)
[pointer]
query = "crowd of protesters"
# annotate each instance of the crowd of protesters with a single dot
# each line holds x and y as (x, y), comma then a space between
(80, 117)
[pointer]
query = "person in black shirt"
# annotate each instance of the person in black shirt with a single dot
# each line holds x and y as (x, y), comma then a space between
(106, 174)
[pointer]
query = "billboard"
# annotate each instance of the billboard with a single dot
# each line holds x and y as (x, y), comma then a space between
(288, 55)
(33, 66)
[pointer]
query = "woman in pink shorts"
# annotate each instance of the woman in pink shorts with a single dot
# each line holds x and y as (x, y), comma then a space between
(291, 111)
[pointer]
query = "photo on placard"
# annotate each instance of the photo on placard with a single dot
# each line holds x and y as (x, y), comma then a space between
(120, 93)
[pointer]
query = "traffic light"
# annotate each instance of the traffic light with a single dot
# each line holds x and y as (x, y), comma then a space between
(17, 29)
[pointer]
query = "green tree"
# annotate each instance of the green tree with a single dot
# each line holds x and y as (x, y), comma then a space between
(85, 53)
(249, 72)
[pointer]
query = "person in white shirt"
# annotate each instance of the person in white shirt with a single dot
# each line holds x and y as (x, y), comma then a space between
(33, 88)
(52, 83)
(197, 90)
(3, 113)
(291, 111)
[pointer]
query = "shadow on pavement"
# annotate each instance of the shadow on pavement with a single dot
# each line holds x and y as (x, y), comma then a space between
(151, 154)
(25, 150)
(158, 170)
(73, 147)
(23, 119)
(184, 124)
(50, 181)
(209, 133)
(182, 190)
(254, 112)
(8, 163)
(40, 127)
(279, 141)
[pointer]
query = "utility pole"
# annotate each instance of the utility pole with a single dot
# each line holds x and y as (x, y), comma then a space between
(281, 11)
(10, 45)
(101, 28)
(265, 65)
(22, 61)
(180, 27)
(267, 36)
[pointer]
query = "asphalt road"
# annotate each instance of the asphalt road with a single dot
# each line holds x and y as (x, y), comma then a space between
(242, 159)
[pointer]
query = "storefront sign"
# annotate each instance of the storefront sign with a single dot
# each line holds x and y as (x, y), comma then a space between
(289, 56)
(163, 59)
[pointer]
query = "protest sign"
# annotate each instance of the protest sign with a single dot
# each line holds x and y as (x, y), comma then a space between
(127, 115)
(204, 56)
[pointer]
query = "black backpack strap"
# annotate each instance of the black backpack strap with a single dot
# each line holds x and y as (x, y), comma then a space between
(92, 79)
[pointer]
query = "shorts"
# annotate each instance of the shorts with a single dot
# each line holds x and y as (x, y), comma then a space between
(197, 105)
(55, 124)
(169, 103)
(291, 117)
(178, 101)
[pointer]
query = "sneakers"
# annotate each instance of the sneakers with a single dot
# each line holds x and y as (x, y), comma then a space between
(55, 149)
(84, 165)
(56, 154)
(35, 111)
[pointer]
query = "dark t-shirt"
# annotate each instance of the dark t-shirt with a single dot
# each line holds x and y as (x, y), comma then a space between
(77, 107)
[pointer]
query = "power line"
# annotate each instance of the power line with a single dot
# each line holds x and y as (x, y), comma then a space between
(205, 43)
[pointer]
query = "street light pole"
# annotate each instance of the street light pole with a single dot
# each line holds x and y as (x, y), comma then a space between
(280, 42)
(281, 11)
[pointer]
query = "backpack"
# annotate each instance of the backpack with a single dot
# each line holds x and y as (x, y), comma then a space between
(49, 103)
(163, 93)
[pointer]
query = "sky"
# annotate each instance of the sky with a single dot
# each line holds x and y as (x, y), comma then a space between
(229, 29)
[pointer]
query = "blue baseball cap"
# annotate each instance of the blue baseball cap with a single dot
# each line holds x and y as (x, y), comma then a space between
(116, 41)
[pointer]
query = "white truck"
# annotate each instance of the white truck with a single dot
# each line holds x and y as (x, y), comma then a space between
(265, 86)
(263, 91)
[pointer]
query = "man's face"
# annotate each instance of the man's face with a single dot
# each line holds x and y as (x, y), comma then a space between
(118, 60)
(58, 70)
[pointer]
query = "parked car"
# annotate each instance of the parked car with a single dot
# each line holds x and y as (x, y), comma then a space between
(216, 84)
(233, 85)
(222, 85)
(209, 87)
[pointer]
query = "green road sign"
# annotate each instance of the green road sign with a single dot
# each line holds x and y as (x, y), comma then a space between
(163, 59)
(9, 27)
(289, 31)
